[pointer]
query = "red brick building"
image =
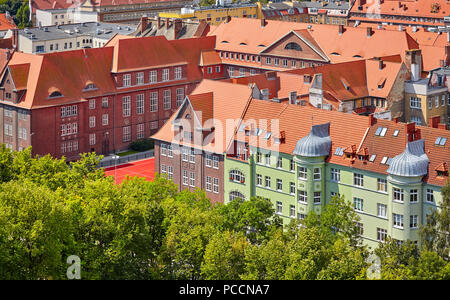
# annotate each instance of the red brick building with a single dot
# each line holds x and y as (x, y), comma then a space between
(97, 100)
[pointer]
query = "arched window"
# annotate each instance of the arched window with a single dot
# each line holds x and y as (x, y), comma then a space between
(90, 86)
(55, 94)
(293, 46)
(237, 176)
(243, 44)
(224, 42)
(235, 195)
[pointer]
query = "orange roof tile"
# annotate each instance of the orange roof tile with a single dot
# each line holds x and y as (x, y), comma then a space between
(6, 23)
(19, 74)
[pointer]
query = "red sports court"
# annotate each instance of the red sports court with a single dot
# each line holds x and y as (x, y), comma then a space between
(141, 168)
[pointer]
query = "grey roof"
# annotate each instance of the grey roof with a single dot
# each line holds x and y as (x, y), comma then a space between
(412, 162)
(94, 29)
(316, 143)
(188, 29)
(332, 4)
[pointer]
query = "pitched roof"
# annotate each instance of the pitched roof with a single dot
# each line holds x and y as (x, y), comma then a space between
(6, 22)
(158, 52)
(209, 58)
(19, 74)
(246, 35)
(53, 4)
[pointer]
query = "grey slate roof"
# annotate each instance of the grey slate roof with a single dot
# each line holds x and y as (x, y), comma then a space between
(412, 162)
(317, 143)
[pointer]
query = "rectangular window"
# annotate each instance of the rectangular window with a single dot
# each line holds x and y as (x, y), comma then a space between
(208, 160)
(381, 210)
(126, 106)
(360, 228)
(279, 207)
(358, 179)
(291, 165)
(413, 196)
(180, 96)
(398, 194)
(178, 73)
(335, 175)
(140, 78)
(167, 99)
(153, 77)
(259, 179)
(398, 220)
(192, 156)
(413, 221)
(165, 75)
(358, 204)
(279, 163)
(185, 177)
(302, 196)
(302, 173)
(185, 154)
(215, 162)
(292, 211)
(430, 196)
(66, 111)
(169, 172)
(381, 234)
(140, 133)
(92, 104)
(317, 197)
(381, 185)
(267, 181)
(268, 61)
(126, 134)
(105, 119)
(267, 157)
(208, 183)
(292, 188)
(279, 185)
(91, 121)
(140, 104)
(104, 102)
(192, 179)
(127, 80)
(415, 102)
(317, 174)
(153, 101)
(215, 185)
(92, 139)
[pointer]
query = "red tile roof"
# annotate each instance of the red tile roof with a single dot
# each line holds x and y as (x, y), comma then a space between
(19, 74)
(6, 23)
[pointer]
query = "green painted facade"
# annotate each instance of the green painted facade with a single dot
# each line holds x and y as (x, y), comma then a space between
(375, 201)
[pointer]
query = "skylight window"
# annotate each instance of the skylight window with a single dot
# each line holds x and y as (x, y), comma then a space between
(381, 131)
(396, 132)
(440, 141)
(339, 151)
(372, 158)
(383, 160)
(267, 136)
(389, 161)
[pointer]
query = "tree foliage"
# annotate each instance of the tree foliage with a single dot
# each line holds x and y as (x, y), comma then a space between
(51, 209)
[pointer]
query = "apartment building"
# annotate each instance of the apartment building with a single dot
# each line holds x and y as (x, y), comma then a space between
(425, 13)
(70, 102)
(317, 12)
(299, 157)
(216, 14)
(61, 12)
(56, 38)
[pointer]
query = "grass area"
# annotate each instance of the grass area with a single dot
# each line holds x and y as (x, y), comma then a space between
(127, 152)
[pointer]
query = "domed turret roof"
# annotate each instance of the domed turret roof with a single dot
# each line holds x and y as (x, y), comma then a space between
(412, 162)
(316, 143)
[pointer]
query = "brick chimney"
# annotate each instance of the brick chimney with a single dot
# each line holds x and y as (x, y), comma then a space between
(228, 19)
(434, 121)
(447, 55)
(369, 31)
(15, 38)
(372, 120)
(263, 22)
(341, 29)
(158, 19)
(177, 27)
(143, 24)
(167, 23)
(410, 131)
(413, 61)
(442, 126)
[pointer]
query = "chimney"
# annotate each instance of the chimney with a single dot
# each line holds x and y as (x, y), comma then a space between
(434, 121)
(413, 61)
(442, 126)
(395, 120)
(380, 64)
(410, 131)
(158, 19)
(263, 22)
(15, 38)
(369, 31)
(341, 29)
(177, 27)
(447, 55)
(307, 78)
(228, 19)
(143, 24)
(8, 55)
(372, 120)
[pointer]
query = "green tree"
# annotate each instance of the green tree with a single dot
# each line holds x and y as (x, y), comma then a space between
(22, 17)
(435, 235)
(224, 256)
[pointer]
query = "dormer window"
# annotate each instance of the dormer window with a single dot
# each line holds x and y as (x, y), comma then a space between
(90, 86)
(55, 94)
